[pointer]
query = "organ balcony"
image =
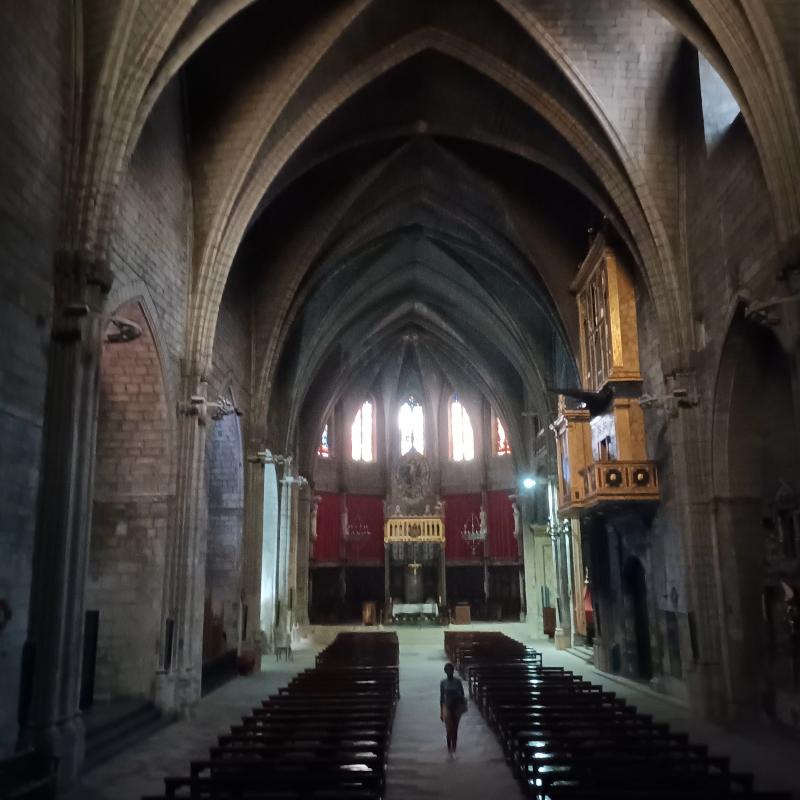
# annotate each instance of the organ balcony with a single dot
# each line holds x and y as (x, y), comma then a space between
(601, 445)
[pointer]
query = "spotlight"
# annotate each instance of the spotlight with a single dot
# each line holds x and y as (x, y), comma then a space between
(529, 483)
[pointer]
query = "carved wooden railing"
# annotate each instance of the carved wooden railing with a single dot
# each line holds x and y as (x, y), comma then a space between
(413, 529)
(619, 480)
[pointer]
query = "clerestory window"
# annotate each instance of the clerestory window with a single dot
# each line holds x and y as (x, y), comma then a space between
(363, 433)
(412, 427)
(462, 439)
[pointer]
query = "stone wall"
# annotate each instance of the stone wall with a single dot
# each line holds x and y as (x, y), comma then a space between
(34, 60)
(150, 246)
(229, 378)
(133, 506)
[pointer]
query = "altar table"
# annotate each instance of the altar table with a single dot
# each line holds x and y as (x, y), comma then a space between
(415, 609)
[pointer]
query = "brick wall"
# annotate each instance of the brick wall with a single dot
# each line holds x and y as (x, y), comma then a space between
(150, 244)
(34, 52)
(133, 502)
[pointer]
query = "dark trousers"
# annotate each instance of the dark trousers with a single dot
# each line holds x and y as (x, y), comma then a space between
(451, 716)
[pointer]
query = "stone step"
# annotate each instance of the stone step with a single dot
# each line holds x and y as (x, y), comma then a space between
(113, 728)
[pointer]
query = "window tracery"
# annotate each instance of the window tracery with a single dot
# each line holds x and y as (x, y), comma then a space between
(462, 438)
(363, 433)
(502, 447)
(412, 426)
(324, 449)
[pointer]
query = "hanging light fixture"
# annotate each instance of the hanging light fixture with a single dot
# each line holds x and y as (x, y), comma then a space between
(474, 532)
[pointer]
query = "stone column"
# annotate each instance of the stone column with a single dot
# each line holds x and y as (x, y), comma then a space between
(708, 677)
(387, 565)
(287, 518)
(60, 561)
(558, 533)
(539, 573)
(304, 513)
(520, 519)
(578, 571)
(251, 549)
(443, 576)
(178, 683)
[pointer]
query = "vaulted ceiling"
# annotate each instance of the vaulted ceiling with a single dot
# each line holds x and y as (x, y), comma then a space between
(379, 169)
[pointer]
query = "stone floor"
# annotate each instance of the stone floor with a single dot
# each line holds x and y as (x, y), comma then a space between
(142, 768)
(772, 757)
(419, 766)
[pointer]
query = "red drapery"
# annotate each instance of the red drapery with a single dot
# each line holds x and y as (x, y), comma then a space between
(457, 511)
(329, 528)
(366, 509)
(502, 542)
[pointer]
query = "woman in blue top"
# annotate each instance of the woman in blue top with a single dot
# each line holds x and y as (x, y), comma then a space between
(453, 704)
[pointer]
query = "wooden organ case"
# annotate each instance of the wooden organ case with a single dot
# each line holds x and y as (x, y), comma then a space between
(602, 458)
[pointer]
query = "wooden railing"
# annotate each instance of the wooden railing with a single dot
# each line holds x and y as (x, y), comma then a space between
(413, 529)
(619, 480)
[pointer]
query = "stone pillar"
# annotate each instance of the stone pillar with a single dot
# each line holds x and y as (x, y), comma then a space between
(178, 683)
(60, 561)
(558, 537)
(708, 677)
(304, 515)
(387, 566)
(538, 572)
(251, 550)
(578, 572)
(443, 578)
(523, 515)
(287, 521)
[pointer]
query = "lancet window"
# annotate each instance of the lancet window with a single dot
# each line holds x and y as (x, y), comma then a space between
(502, 447)
(412, 426)
(363, 433)
(462, 439)
(324, 449)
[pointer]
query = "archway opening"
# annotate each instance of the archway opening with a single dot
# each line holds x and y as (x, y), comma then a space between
(756, 469)
(634, 587)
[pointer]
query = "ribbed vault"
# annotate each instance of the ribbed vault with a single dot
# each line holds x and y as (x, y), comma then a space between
(435, 165)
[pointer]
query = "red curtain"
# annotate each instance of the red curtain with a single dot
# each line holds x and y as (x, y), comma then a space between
(502, 542)
(366, 509)
(457, 511)
(329, 528)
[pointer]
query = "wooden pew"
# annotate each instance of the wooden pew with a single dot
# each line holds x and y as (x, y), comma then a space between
(567, 739)
(325, 736)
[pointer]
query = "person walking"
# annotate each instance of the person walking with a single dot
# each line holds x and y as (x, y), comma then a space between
(453, 704)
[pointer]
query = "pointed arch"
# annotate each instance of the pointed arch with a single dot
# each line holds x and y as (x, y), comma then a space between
(462, 436)
(362, 433)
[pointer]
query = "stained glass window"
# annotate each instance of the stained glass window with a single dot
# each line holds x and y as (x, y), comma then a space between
(324, 449)
(363, 433)
(412, 427)
(462, 439)
(502, 445)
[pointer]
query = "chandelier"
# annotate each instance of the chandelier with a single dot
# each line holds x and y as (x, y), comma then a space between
(474, 531)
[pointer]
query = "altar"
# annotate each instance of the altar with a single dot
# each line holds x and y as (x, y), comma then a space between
(414, 543)
(429, 610)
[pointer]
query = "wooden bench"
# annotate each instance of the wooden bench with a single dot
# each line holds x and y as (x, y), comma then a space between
(567, 739)
(325, 736)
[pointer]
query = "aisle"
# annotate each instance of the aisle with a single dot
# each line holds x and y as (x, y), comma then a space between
(419, 766)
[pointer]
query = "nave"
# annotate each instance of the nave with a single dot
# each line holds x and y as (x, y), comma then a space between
(418, 762)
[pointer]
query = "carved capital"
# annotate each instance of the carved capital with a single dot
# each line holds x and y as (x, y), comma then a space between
(198, 406)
